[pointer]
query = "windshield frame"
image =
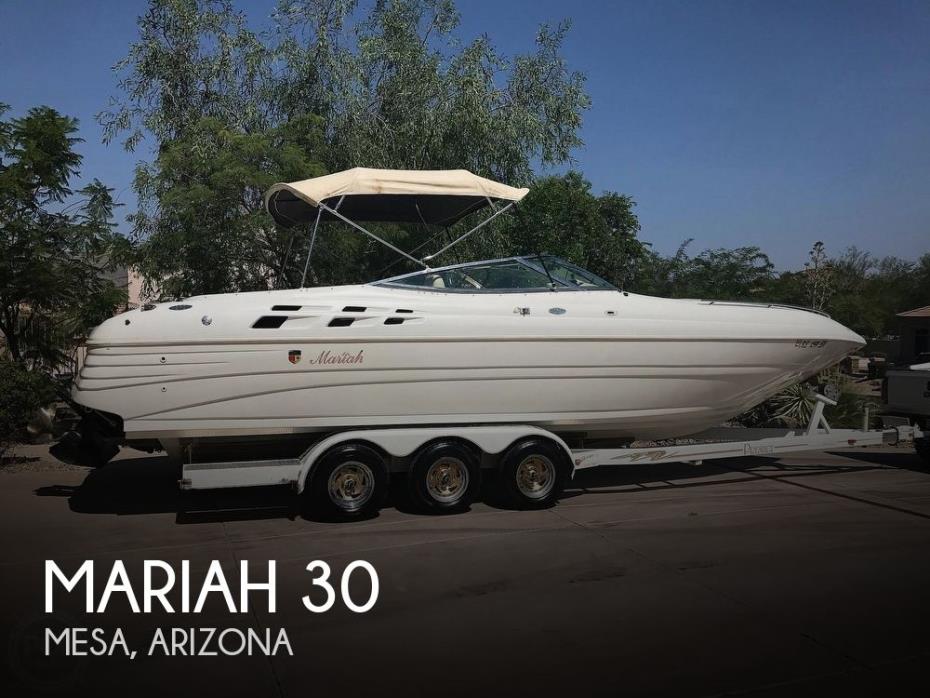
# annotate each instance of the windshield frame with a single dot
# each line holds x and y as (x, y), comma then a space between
(535, 263)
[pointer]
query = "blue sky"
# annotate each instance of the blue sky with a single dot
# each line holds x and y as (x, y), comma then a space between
(736, 123)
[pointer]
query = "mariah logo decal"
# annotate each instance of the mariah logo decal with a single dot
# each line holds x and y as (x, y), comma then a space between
(344, 357)
(329, 358)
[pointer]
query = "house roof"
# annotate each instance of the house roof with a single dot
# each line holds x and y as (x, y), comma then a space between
(916, 312)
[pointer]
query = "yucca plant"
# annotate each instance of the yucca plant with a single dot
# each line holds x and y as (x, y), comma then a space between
(794, 405)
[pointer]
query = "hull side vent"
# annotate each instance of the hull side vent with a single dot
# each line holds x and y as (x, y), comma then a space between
(269, 322)
(403, 310)
(285, 307)
(354, 309)
(341, 321)
(394, 321)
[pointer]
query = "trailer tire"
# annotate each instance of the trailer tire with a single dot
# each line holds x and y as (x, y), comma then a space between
(532, 474)
(445, 478)
(348, 482)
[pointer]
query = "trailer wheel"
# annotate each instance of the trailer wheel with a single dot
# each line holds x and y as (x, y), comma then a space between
(445, 477)
(532, 474)
(350, 481)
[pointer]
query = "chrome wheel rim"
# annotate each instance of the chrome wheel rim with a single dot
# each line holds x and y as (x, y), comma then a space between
(535, 476)
(447, 480)
(351, 485)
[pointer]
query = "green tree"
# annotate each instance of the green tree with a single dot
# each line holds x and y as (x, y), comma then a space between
(398, 87)
(562, 216)
(820, 275)
(862, 292)
(52, 255)
(918, 291)
(201, 224)
(870, 291)
(742, 273)
(194, 59)
(22, 392)
(389, 85)
(658, 275)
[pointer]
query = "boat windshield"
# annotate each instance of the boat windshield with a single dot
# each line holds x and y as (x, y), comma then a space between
(569, 274)
(538, 273)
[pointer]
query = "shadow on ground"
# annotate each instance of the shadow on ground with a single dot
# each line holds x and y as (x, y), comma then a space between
(149, 485)
(905, 460)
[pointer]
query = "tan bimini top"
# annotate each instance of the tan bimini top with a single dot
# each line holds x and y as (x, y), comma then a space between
(439, 197)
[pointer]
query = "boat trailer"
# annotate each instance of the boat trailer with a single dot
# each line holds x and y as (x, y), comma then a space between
(400, 445)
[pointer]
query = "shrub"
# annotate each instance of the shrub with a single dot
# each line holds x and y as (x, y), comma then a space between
(22, 392)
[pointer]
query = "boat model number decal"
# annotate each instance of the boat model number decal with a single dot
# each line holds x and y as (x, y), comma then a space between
(810, 343)
(327, 357)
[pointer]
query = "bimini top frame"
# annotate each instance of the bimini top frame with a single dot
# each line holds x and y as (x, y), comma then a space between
(430, 197)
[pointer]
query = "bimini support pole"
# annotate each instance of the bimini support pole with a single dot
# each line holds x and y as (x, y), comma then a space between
(316, 224)
(384, 242)
(465, 235)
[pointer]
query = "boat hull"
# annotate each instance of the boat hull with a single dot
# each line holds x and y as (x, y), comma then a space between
(608, 385)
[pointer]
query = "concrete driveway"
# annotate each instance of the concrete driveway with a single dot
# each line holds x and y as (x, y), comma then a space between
(806, 575)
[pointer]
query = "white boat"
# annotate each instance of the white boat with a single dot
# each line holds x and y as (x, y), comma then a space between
(524, 340)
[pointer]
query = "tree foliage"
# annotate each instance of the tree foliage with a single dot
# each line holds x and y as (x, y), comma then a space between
(742, 273)
(870, 291)
(194, 59)
(52, 255)
(819, 277)
(201, 224)
(333, 84)
(400, 88)
(562, 216)
(22, 392)
(858, 290)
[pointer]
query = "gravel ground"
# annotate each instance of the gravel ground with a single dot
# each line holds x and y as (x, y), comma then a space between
(34, 458)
